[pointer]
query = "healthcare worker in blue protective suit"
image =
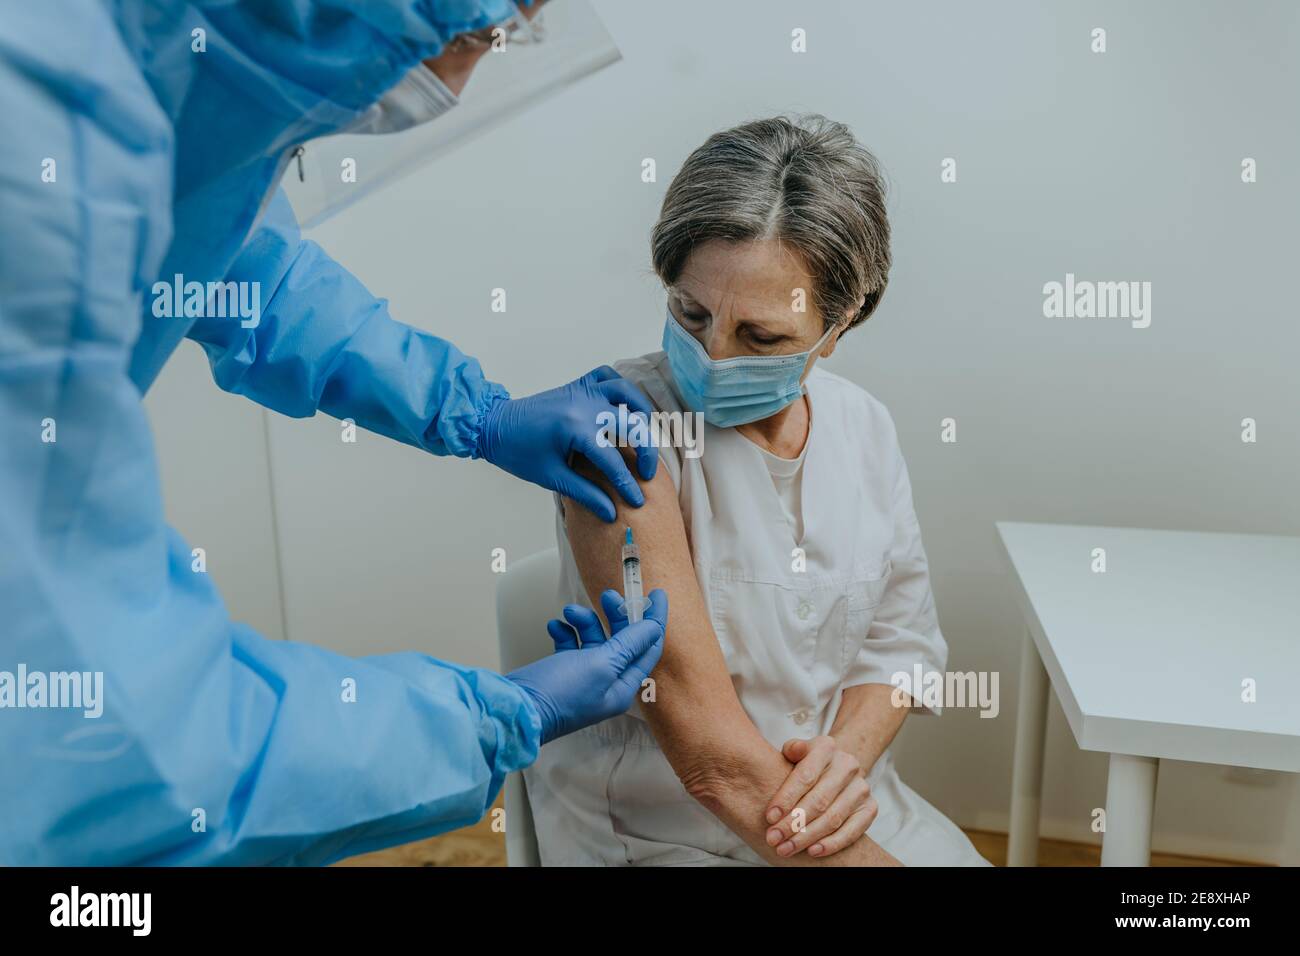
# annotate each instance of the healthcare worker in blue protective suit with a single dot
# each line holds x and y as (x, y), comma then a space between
(128, 157)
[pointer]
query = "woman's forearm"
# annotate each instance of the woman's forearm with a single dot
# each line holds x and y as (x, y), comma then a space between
(720, 757)
(868, 721)
(738, 790)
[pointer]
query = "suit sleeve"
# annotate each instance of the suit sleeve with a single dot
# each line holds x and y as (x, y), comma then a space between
(322, 342)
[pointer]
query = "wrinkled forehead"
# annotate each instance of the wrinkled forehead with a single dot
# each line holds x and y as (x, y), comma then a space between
(761, 279)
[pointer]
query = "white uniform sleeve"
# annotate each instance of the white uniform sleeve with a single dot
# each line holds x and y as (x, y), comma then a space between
(905, 629)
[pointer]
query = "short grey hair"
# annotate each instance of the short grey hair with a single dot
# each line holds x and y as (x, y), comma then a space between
(803, 180)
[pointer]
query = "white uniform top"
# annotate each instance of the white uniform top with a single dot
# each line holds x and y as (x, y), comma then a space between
(787, 479)
(815, 580)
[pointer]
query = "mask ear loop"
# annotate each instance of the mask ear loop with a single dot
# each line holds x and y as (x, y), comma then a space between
(815, 352)
(812, 356)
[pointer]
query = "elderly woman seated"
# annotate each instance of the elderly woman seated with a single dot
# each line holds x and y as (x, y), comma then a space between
(787, 542)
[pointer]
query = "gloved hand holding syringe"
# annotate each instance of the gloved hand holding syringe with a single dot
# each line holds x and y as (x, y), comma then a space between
(592, 677)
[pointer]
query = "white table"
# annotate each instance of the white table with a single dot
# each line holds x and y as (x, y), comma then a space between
(1148, 660)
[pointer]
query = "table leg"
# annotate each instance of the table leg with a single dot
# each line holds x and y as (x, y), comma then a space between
(1027, 771)
(1130, 803)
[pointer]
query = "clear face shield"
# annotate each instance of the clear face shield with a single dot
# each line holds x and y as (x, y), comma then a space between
(527, 59)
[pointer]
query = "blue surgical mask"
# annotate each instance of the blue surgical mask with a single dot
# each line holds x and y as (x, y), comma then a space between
(739, 390)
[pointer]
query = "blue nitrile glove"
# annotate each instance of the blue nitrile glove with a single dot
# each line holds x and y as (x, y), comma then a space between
(535, 438)
(579, 686)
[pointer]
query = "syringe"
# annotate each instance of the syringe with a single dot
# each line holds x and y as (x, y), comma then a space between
(632, 597)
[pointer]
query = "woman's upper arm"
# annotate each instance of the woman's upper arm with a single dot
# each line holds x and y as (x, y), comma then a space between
(666, 563)
(692, 679)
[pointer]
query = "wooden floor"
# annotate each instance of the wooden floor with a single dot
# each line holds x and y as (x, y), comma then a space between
(479, 846)
(993, 847)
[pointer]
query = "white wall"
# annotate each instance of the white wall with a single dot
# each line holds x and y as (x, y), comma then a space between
(1116, 166)
(212, 453)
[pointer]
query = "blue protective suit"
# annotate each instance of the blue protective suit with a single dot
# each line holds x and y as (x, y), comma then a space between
(127, 157)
